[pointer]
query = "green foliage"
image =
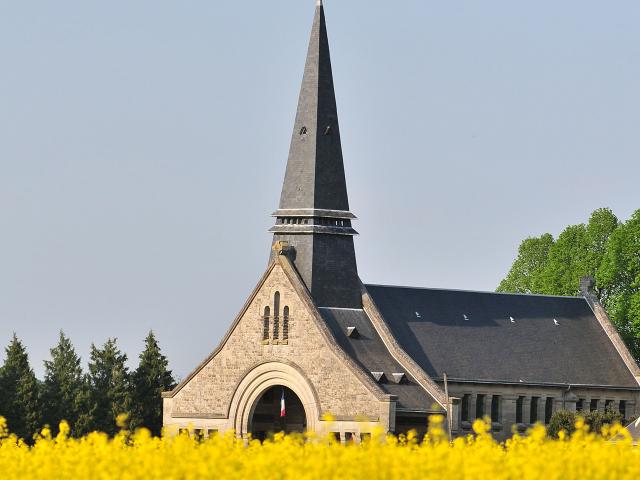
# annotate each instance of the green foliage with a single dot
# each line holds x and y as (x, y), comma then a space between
(562, 420)
(597, 419)
(19, 391)
(66, 391)
(88, 402)
(531, 261)
(109, 382)
(150, 379)
(619, 279)
(605, 249)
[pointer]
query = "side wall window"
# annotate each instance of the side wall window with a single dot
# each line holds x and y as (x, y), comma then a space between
(464, 408)
(548, 410)
(495, 408)
(519, 408)
(285, 323)
(276, 316)
(265, 323)
(533, 416)
(480, 406)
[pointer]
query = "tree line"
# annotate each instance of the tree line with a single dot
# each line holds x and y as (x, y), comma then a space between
(604, 248)
(89, 401)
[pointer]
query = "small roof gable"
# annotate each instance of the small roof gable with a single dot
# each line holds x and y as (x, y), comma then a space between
(482, 336)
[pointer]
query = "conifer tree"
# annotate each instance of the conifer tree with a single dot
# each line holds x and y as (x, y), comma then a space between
(109, 382)
(150, 379)
(65, 392)
(19, 392)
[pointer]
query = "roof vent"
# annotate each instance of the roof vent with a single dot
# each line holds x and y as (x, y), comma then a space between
(556, 322)
(512, 320)
(379, 376)
(398, 377)
(352, 332)
(466, 319)
(418, 315)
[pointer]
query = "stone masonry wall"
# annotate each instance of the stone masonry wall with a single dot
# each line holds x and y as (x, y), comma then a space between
(208, 394)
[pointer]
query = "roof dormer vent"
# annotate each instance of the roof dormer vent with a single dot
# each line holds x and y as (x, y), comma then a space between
(352, 332)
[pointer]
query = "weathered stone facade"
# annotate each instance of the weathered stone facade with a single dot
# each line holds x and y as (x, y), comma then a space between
(338, 388)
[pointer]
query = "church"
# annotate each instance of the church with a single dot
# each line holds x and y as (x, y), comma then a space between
(315, 348)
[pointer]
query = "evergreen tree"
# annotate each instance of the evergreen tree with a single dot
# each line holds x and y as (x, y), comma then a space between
(66, 393)
(109, 381)
(19, 390)
(151, 378)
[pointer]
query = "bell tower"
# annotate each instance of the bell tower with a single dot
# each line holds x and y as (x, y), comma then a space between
(313, 217)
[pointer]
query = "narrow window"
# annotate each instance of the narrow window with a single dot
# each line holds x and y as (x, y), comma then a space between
(607, 404)
(519, 408)
(480, 406)
(495, 408)
(548, 410)
(593, 406)
(265, 323)
(533, 414)
(285, 323)
(303, 131)
(622, 408)
(349, 437)
(464, 408)
(580, 405)
(212, 433)
(276, 316)
(365, 437)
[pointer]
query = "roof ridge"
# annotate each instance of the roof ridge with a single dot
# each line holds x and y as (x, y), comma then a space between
(475, 291)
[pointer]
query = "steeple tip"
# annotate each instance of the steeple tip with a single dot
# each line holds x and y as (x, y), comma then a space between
(318, 3)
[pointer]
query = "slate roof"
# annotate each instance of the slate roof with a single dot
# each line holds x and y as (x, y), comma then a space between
(430, 326)
(370, 352)
(315, 172)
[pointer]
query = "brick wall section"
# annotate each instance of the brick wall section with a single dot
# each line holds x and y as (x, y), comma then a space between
(209, 392)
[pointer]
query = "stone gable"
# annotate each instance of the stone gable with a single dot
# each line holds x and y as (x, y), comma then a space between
(208, 394)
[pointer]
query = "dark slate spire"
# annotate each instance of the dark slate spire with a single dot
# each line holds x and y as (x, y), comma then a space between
(314, 212)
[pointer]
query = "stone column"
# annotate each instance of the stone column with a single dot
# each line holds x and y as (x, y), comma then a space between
(559, 404)
(473, 398)
(508, 416)
(526, 409)
(455, 417)
(631, 409)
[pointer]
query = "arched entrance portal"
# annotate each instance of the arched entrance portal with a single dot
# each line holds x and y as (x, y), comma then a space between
(270, 417)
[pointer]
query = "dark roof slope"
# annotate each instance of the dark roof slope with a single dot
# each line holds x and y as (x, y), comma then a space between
(370, 352)
(471, 336)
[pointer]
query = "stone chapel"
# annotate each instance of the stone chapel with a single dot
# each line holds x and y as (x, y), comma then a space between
(316, 340)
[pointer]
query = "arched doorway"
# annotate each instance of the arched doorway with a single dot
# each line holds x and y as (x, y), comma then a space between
(268, 416)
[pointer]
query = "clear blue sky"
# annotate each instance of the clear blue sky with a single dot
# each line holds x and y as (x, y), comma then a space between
(143, 146)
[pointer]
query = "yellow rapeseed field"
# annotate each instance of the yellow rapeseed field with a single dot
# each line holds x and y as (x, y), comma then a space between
(136, 456)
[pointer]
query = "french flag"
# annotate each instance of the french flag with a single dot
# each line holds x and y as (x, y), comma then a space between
(283, 411)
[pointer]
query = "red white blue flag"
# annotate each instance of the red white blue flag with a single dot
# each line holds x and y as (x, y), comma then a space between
(283, 411)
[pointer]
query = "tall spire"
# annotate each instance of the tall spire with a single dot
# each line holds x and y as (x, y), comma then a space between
(314, 214)
(315, 173)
